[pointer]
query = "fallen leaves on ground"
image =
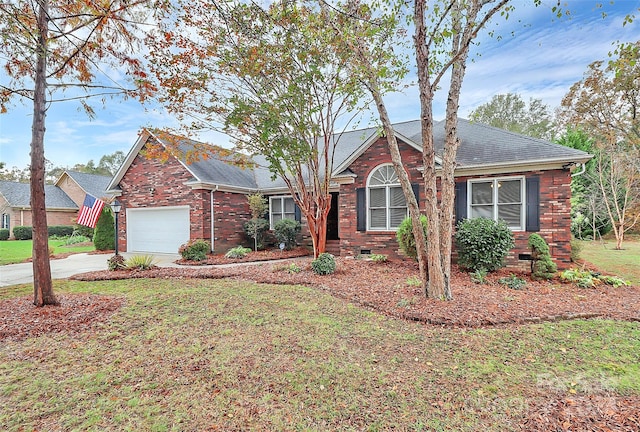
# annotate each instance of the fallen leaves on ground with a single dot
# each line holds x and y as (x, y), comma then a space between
(390, 289)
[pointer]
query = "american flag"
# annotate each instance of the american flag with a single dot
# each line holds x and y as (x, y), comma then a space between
(90, 211)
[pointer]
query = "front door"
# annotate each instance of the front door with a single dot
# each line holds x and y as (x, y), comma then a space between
(332, 218)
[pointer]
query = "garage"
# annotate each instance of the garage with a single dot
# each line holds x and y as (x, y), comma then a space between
(158, 229)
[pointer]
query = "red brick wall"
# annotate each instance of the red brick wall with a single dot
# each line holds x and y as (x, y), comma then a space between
(555, 219)
(352, 241)
(555, 209)
(150, 183)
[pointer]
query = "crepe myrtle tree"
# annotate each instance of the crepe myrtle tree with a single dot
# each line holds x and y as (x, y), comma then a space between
(269, 76)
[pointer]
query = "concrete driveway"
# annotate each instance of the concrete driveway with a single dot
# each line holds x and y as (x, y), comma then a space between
(13, 274)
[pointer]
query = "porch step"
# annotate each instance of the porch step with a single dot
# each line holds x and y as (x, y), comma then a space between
(333, 247)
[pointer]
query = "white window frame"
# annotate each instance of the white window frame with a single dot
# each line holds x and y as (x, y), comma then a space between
(282, 213)
(387, 188)
(495, 186)
(5, 220)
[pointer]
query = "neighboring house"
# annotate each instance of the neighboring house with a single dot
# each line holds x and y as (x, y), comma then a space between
(62, 200)
(499, 174)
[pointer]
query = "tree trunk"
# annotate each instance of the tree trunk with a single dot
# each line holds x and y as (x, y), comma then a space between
(42, 286)
(452, 143)
(437, 281)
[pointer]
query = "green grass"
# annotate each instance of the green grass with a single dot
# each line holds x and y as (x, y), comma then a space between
(17, 251)
(624, 263)
(229, 355)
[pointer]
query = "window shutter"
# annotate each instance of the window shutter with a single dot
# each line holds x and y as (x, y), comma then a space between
(460, 200)
(533, 204)
(416, 191)
(297, 213)
(361, 209)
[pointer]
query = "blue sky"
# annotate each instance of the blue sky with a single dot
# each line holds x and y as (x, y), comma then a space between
(541, 60)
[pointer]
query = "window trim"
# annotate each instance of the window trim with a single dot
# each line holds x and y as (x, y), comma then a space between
(388, 208)
(282, 213)
(494, 181)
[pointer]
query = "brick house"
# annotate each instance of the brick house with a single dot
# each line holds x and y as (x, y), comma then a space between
(499, 174)
(62, 199)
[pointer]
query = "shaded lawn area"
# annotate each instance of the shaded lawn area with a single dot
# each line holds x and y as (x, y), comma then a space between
(17, 251)
(624, 263)
(235, 355)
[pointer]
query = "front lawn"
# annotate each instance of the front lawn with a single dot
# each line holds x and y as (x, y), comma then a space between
(624, 263)
(17, 251)
(235, 355)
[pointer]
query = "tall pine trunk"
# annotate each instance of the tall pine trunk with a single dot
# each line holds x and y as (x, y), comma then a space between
(42, 286)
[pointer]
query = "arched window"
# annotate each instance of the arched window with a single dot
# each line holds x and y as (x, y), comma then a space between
(386, 206)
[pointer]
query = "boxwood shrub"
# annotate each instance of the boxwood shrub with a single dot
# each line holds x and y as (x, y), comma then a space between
(22, 233)
(60, 230)
(286, 231)
(323, 265)
(4, 234)
(406, 240)
(195, 250)
(483, 243)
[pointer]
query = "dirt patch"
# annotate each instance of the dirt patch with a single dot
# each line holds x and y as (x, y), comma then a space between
(390, 289)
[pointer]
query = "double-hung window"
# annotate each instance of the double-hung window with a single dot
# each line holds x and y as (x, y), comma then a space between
(386, 205)
(281, 208)
(499, 198)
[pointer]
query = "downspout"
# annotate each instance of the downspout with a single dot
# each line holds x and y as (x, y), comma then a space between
(582, 170)
(213, 219)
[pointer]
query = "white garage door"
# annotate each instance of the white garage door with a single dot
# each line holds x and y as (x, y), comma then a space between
(159, 229)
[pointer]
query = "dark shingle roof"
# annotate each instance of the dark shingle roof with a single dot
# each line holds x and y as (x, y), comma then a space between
(92, 184)
(480, 145)
(214, 169)
(19, 194)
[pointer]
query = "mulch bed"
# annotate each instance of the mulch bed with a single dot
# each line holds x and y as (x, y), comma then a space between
(263, 255)
(384, 288)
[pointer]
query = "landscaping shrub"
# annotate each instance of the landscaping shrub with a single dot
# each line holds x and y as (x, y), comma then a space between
(4, 234)
(379, 258)
(323, 265)
(483, 243)
(140, 262)
(195, 250)
(589, 279)
(22, 233)
(255, 229)
(513, 282)
(479, 276)
(116, 262)
(286, 231)
(576, 249)
(105, 231)
(83, 230)
(75, 239)
(237, 252)
(405, 237)
(542, 267)
(60, 230)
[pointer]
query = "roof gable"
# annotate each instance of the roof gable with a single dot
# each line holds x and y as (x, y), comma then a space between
(93, 184)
